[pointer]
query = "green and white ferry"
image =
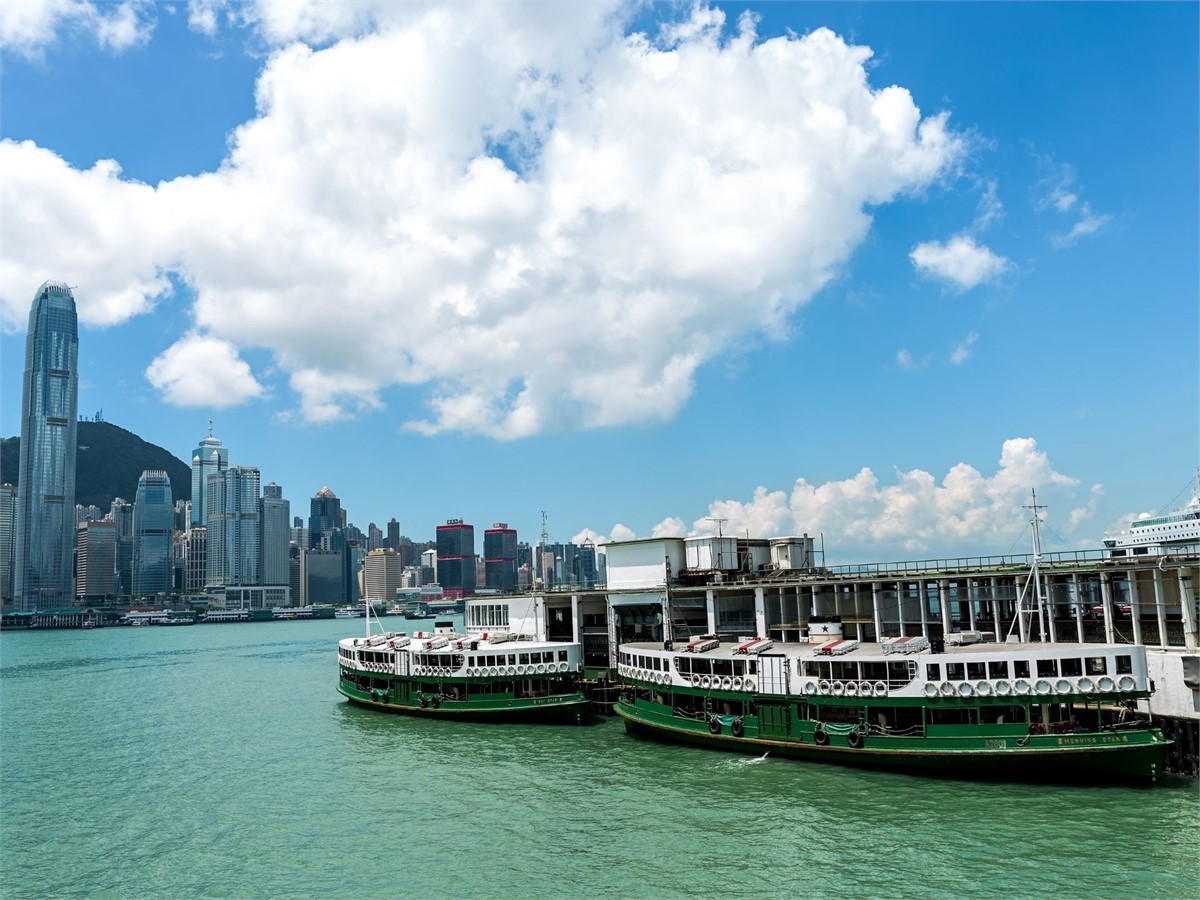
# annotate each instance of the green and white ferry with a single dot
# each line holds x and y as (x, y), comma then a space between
(1022, 711)
(488, 674)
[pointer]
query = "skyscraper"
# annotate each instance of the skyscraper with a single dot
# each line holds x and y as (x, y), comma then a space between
(500, 558)
(44, 576)
(153, 515)
(209, 458)
(456, 558)
(121, 514)
(8, 521)
(231, 505)
(325, 514)
(274, 536)
(96, 560)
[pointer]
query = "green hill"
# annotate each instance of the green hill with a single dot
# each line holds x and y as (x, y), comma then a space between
(108, 462)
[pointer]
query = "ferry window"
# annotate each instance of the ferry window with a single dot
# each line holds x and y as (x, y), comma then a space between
(900, 673)
(1020, 668)
(954, 671)
(685, 665)
(1096, 665)
(562, 655)
(1047, 668)
(975, 671)
(524, 660)
(657, 664)
(933, 671)
(998, 669)
(512, 659)
(753, 666)
(1124, 665)
(1071, 667)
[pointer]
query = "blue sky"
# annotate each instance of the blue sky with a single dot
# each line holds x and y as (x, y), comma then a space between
(871, 271)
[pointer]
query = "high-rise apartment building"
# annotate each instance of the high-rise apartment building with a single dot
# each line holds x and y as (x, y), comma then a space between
(8, 522)
(500, 558)
(274, 534)
(374, 537)
(456, 558)
(95, 560)
(153, 517)
(231, 505)
(44, 553)
(195, 569)
(210, 458)
(393, 534)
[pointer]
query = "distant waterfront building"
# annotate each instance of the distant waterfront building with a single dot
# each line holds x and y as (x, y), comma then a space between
(8, 522)
(90, 513)
(393, 534)
(456, 558)
(121, 515)
(153, 516)
(210, 458)
(500, 558)
(44, 563)
(96, 560)
(231, 505)
(382, 575)
(274, 536)
(374, 537)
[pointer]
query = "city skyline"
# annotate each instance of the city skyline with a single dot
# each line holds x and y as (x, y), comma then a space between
(896, 267)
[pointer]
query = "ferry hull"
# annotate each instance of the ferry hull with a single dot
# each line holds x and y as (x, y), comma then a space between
(1057, 758)
(571, 709)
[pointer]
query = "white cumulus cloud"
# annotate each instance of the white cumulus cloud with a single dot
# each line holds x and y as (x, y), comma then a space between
(29, 27)
(557, 237)
(200, 370)
(960, 262)
(966, 512)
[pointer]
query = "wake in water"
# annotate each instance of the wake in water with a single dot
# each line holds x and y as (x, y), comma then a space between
(739, 763)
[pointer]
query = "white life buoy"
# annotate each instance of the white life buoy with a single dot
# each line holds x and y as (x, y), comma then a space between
(748, 684)
(1043, 687)
(510, 670)
(965, 689)
(726, 683)
(492, 671)
(881, 689)
(930, 689)
(737, 684)
(839, 688)
(1126, 683)
(1003, 688)
(983, 689)
(1086, 685)
(947, 689)
(705, 681)
(825, 687)
(810, 687)
(1062, 686)
(1021, 686)
(541, 669)
(1106, 685)
(562, 667)
(695, 681)
(865, 689)
(851, 688)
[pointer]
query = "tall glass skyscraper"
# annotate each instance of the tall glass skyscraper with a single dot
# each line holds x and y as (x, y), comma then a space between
(153, 517)
(44, 576)
(274, 513)
(231, 501)
(209, 458)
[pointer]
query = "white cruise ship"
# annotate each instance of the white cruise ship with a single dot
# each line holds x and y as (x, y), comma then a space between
(1159, 533)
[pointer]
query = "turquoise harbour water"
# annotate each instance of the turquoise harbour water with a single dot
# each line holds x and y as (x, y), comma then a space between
(219, 761)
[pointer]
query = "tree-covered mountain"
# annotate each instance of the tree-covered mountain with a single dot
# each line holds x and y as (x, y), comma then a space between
(108, 462)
